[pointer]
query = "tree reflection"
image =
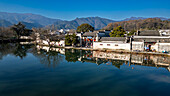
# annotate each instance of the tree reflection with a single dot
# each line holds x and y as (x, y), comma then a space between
(15, 49)
(6, 49)
(21, 50)
(72, 55)
(51, 58)
(117, 63)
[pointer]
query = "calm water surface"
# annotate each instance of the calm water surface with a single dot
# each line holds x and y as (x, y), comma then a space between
(27, 70)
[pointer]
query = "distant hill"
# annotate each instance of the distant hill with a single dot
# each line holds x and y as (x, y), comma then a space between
(148, 24)
(32, 25)
(134, 18)
(142, 18)
(96, 22)
(28, 17)
(34, 20)
(5, 23)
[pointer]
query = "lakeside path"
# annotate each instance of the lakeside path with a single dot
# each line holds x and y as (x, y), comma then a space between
(118, 51)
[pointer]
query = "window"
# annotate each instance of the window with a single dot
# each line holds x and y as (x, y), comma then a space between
(116, 44)
(101, 44)
(108, 44)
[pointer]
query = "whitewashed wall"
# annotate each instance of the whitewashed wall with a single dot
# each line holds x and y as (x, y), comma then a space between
(111, 45)
(161, 47)
(137, 46)
(61, 43)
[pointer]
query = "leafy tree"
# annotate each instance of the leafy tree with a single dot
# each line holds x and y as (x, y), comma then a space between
(85, 28)
(68, 40)
(18, 29)
(71, 39)
(74, 39)
(117, 32)
(131, 32)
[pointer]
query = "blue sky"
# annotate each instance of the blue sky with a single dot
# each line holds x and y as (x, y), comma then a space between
(71, 9)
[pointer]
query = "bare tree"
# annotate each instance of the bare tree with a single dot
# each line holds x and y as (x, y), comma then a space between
(6, 33)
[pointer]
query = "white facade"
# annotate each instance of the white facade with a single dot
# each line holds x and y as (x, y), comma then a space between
(60, 43)
(164, 32)
(138, 46)
(111, 45)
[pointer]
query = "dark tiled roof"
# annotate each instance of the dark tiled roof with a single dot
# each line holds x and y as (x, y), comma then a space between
(148, 33)
(90, 34)
(101, 34)
(162, 40)
(113, 39)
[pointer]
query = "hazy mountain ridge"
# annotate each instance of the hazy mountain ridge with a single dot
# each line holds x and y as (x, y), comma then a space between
(34, 20)
(5, 23)
(96, 22)
(145, 24)
(142, 18)
(27, 17)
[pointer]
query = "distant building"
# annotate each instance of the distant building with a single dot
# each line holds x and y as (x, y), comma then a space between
(150, 40)
(87, 38)
(121, 43)
(165, 32)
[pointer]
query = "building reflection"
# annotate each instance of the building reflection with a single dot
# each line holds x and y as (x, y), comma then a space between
(118, 59)
(115, 59)
(150, 60)
(51, 56)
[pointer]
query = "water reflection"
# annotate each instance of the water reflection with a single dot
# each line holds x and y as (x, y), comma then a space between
(15, 49)
(70, 72)
(51, 57)
(115, 59)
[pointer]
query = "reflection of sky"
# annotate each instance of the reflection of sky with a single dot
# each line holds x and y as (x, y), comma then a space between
(28, 77)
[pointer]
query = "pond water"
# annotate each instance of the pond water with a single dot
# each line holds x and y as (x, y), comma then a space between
(28, 70)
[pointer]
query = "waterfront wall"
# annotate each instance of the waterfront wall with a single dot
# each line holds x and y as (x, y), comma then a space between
(138, 46)
(111, 45)
(163, 46)
(60, 43)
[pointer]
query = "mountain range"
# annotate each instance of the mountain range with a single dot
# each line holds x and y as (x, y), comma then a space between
(34, 20)
(142, 18)
(96, 22)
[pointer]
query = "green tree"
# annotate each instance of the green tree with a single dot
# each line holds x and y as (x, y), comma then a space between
(71, 39)
(117, 32)
(131, 32)
(74, 39)
(18, 29)
(85, 28)
(68, 40)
